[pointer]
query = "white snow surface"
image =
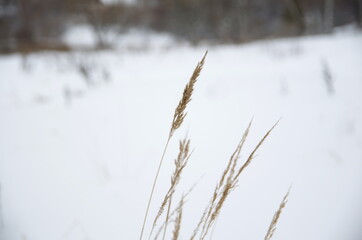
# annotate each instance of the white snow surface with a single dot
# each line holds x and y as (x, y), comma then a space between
(81, 135)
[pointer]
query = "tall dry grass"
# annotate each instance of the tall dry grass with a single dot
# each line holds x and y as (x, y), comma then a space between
(228, 180)
(178, 118)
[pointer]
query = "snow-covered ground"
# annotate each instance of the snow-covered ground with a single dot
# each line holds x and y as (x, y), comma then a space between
(81, 135)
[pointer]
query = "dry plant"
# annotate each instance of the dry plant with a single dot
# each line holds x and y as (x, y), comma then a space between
(227, 182)
(180, 164)
(174, 211)
(180, 113)
(176, 231)
(275, 219)
(177, 121)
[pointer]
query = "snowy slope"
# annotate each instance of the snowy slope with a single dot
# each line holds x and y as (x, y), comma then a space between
(81, 135)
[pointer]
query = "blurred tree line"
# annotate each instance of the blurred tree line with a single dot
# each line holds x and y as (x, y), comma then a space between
(26, 25)
(245, 20)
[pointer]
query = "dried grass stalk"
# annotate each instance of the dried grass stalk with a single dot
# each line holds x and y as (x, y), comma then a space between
(226, 184)
(174, 211)
(177, 121)
(180, 113)
(176, 231)
(223, 188)
(252, 155)
(180, 164)
(275, 219)
(226, 175)
(167, 218)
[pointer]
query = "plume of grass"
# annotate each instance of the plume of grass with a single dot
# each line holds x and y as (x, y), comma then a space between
(229, 168)
(226, 184)
(176, 231)
(178, 118)
(273, 224)
(174, 211)
(180, 164)
(180, 112)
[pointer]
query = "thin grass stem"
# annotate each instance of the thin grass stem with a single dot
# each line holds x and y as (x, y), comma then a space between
(167, 218)
(153, 187)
